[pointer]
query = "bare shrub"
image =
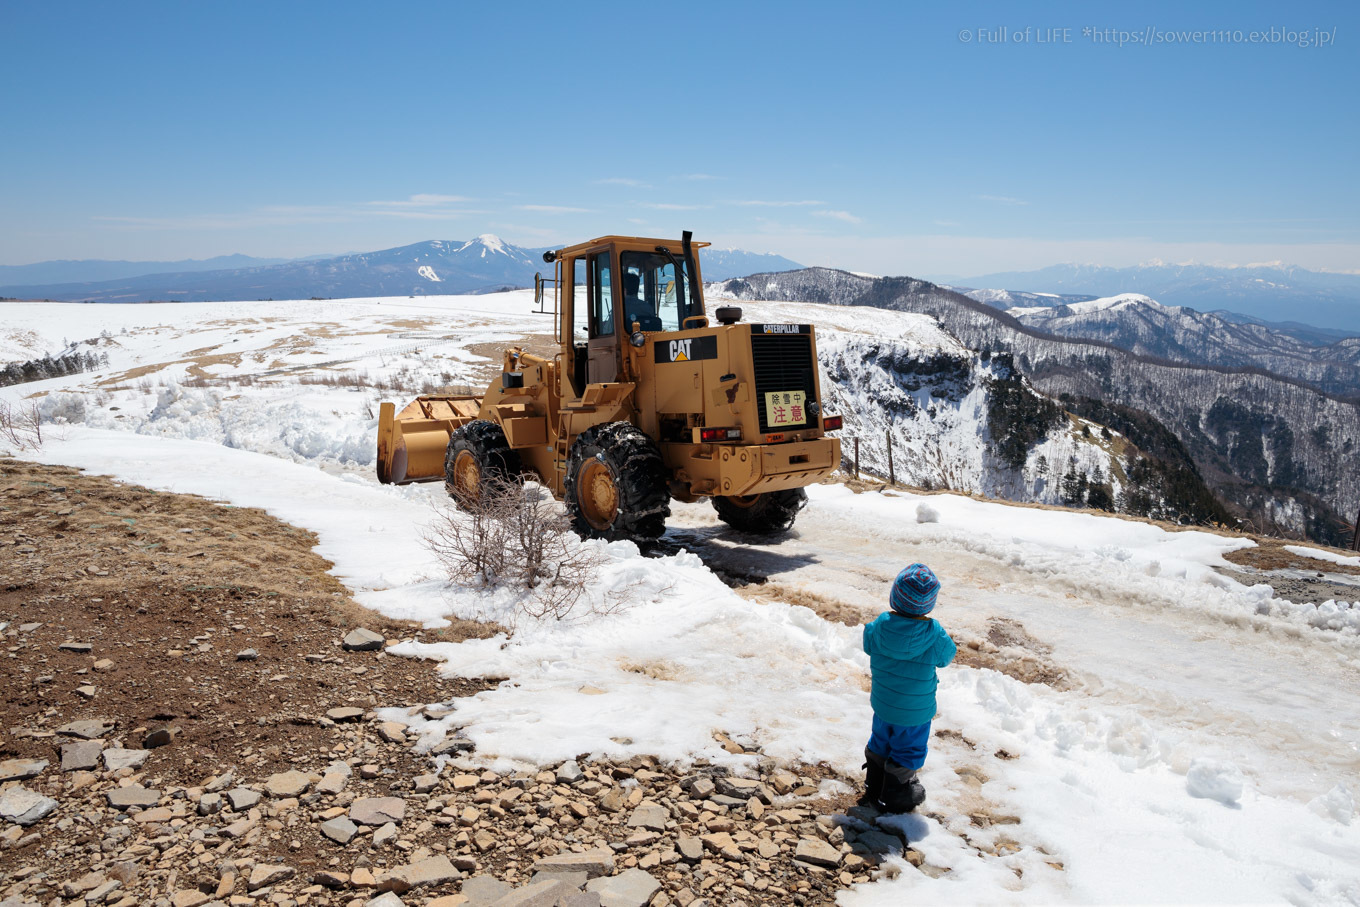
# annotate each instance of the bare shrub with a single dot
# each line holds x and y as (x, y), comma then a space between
(21, 426)
(517, 537)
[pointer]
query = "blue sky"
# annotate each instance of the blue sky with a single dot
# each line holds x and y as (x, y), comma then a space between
(875, 137)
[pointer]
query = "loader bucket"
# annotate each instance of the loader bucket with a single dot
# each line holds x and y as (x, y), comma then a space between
(411, 444)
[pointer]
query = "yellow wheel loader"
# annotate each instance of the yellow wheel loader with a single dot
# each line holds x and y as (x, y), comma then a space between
(649, 399)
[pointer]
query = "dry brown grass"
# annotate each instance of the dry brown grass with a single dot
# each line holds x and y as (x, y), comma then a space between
(1270, 554)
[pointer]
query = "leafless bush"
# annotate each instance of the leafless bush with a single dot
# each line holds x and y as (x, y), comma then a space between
(516, 537)
(21, 425)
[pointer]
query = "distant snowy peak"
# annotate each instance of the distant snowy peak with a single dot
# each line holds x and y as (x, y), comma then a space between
(1273, 291)
(1112, 303)
(489, 242)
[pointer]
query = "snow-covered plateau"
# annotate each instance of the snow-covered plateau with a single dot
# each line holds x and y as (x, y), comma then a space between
(1136, 724)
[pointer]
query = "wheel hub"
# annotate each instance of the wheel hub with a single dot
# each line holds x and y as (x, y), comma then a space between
(598, 494)
(467, 475)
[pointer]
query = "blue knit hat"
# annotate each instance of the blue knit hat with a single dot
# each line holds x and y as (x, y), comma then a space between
(914, 590)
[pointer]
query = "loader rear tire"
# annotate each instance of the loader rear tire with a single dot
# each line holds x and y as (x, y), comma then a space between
(762, 514)
(477, 461)
(616, 487)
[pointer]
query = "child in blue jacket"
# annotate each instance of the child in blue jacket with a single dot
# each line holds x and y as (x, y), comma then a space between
(904, 647)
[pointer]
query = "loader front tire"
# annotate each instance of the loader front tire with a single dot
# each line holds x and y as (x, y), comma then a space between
(615, 487)
(478, 460)
(761, 514)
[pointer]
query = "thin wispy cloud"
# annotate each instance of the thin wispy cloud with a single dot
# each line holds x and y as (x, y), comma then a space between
(667, 206)
(423, 201)
(290, 215)
(762, 203)
(1001, 199)
(553, 209)
(840, 215)
(697, 176)
(622, 181)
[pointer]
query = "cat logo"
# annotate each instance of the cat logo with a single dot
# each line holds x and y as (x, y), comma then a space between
(688, 349)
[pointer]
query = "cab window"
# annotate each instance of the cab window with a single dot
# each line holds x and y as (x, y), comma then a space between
(580, 308)
(656, 293)
(602, 301)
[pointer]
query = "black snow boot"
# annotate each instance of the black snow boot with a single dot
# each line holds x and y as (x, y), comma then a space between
(902, 790)
(874, 775)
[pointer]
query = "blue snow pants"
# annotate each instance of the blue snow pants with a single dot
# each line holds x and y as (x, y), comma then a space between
(904, 745)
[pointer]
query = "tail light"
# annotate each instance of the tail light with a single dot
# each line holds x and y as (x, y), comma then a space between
(831, 423)
(709, 435)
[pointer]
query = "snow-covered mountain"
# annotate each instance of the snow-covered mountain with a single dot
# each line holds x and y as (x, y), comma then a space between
(724, 264)
(1267, 445)
(1135, 322)
(484, 264)
(1009, 299)
(969, 422)
(1274, 291)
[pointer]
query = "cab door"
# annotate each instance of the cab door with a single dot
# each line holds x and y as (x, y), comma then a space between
(603, 343)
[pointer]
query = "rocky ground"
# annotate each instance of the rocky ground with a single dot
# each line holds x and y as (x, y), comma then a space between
(188, 714)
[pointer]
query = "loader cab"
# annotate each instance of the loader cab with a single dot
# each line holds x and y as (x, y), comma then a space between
(612, 286)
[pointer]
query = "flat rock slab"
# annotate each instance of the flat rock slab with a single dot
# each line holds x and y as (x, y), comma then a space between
(332, 783)
(265, 874)
(136, 795)
(362, 640)
(155, 814)
(340, 830)
(115, 759)
(482, 891)
(242, 798)
(21, 769)
(547, 893)
(386, 899)
(574, 879)
(345, 713)
(377, 810)
(80, 648)
(81, 756)
(630, 888)
(24, 807)
(88, 729)
(593, 863)
(649, 815)
(580, 899)
(291, 783)
(817, 852)
(434, 871)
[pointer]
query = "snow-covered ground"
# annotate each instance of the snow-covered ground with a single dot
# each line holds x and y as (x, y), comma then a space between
(1184, 739)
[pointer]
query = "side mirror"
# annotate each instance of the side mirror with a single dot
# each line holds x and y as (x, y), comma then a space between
(538, 289)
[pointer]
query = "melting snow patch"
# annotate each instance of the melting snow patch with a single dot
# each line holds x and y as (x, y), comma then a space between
(1212, 780)
(1337, 804)
(428, 273)
(926, 514)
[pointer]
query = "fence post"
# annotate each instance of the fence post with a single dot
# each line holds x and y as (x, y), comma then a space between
(892, 474)
(856, 457)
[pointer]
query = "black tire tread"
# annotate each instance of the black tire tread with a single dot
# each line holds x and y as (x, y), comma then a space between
(644, 491)
(485, 440)
(772, 513)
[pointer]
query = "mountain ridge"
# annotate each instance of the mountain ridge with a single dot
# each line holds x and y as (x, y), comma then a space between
(1267, 444)
(1271, 291)
(482, 264)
